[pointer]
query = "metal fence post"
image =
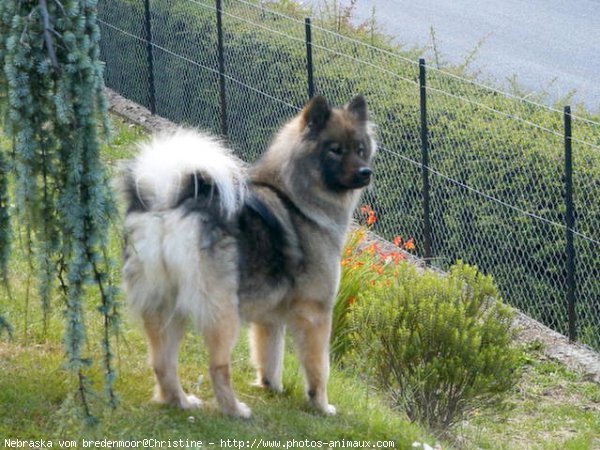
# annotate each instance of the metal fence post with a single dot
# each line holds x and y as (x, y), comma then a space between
(150, 57)
(425, 163)
(570, 225)
(309, 61)
(221, 62)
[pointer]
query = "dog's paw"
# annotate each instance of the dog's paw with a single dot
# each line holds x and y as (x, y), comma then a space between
(243, 411)
(189, 402)
(329, 410)
(240, 410)
(182, 401)
(325, 408)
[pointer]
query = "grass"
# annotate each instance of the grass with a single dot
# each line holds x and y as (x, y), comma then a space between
(35, 387)
(551, 408)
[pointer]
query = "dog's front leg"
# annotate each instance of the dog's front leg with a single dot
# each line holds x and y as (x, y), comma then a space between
(310, 323)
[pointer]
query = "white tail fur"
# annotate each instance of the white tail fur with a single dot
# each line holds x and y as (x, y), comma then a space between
(169, 160)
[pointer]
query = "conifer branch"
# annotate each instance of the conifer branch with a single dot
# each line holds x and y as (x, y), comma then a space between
(107, 302)
(47, 35)
(60, 195)
(82, 389)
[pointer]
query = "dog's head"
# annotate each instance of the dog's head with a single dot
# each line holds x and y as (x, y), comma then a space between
(341, 139)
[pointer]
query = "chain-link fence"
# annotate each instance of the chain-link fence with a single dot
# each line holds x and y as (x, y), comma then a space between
(470, 172)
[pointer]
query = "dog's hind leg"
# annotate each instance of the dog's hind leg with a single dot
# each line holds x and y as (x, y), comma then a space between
(164, 336)
(310, 324)
(220, 338)
(266, 349)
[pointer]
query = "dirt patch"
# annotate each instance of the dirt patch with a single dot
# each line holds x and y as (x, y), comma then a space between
(575, 356)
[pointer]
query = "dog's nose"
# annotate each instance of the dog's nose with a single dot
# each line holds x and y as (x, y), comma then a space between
(364, 173)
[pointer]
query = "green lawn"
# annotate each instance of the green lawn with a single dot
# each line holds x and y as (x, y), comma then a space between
(37, 393)
(551, 408)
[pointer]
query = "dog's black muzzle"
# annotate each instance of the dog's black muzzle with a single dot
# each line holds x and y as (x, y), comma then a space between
(362, 178)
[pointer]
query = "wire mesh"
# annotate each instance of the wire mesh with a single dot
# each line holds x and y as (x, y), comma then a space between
(586, 181)
(480, 143)
(266, 79)
(123, 33)
(495, 160)
(185, 63)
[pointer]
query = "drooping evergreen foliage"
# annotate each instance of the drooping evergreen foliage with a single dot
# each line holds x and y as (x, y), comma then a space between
(4, 232)
(4, 218)
(51, 89)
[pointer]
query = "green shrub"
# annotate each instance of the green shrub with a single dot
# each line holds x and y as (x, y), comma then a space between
(440, 345)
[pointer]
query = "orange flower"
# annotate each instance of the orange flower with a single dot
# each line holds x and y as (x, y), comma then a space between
(350, 300)
(371, 219)
(373, 248)
(397, 241)
(368, 214)
(378, 269)
(409, 245)
(397, 257)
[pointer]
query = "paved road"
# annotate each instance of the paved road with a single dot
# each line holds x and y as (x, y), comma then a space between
(538, 40)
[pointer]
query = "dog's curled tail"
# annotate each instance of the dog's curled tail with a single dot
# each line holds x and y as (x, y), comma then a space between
(184, 166)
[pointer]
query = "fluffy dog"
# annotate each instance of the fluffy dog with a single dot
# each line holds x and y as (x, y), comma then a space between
(213, 241)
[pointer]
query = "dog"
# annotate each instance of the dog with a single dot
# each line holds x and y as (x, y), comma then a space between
(212, 240)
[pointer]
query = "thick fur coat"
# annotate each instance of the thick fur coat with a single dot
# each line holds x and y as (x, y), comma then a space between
(216, 242)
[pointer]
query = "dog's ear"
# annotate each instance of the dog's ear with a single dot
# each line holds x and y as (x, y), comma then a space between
(358, 108)
(316, 113)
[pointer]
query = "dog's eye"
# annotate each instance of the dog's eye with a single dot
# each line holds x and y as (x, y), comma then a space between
(335, 149)
(361, 150)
